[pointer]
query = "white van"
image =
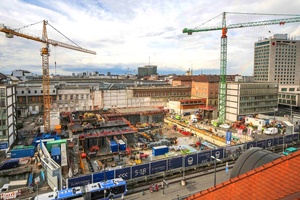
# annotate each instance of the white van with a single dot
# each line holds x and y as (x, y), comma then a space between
(13, 185)
(271, 131)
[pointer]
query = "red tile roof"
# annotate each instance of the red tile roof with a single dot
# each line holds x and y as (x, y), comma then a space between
(279, 179)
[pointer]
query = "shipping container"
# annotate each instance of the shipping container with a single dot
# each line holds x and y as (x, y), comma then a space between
(114, 146)
(54, 143)
(63, 153)
(25, 151)
(9, 164)
(122, 145)
(56, 155)
(160, 150)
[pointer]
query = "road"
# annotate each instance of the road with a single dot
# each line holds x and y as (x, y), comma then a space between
(178, 191)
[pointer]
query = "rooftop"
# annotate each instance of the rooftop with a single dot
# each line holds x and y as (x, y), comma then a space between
(279, 179)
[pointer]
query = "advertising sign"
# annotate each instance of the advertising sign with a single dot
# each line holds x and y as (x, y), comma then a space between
(79, 181)
(269, 143)
(174, 163)
(159, 166)
(261, 144)
(280, 140)
(204, 157)
(289, 138)
(100, 176)
(140, 170)
(190, 160)
(123, 173)
(251, 144)
(228, 137)
(218, 153)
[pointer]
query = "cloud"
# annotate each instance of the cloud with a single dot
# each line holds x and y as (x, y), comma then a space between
(126, 33)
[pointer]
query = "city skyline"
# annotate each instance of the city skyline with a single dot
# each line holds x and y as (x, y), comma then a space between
(130, 34)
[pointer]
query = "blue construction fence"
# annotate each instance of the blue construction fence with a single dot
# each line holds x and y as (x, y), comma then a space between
(187, 160)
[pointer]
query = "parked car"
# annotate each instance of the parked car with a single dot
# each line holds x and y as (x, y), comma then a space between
(271, 131)
(289, 150)
(226, 126)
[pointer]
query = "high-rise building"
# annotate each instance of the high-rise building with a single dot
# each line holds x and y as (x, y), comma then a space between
(8, 115)
(147, 70)
(277, 59)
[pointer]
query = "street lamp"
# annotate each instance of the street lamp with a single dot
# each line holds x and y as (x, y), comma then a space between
(215, 174)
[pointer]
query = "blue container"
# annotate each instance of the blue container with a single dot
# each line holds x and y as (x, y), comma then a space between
(122, 145)
(56, 155)
(114, 146)
(160, 150)
(21, 153)
(9, 164)
(267, 121)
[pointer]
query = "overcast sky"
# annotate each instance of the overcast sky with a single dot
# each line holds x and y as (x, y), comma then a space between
(126, 33)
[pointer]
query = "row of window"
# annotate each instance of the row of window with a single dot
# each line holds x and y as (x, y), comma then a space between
(289, 89)
(287, 96)
(287, 101)
(35, 92)
(159, 94)
(285, 67)
(74, 96)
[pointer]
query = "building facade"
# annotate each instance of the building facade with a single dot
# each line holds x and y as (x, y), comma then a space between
(8, 113)
(30, 98)
(250, 98)
(147, 70)
(277, 59)
(183, 106)
(289, 96)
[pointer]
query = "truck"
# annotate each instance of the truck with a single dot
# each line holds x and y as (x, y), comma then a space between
(289, 127)
(9, 164)
(13, 185)
(194, 118)
(271, 131)
(255, 121)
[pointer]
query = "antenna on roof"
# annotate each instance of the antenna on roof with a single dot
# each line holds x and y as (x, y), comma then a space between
(149, 60)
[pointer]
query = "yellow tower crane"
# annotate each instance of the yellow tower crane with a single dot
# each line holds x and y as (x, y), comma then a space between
(10, 33)
(223, 57)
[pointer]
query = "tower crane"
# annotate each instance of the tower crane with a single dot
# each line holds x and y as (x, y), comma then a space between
(223, 57)
(10, 33)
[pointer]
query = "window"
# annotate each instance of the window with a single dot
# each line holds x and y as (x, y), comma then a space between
(283, 89)
(291, 89)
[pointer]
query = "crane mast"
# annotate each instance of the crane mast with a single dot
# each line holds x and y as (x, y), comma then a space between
(45, 62)
(223, 56)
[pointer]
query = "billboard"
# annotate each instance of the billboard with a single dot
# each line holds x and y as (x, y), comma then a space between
(79, 181)
(190, 160)
(251, 144)
(218, 153)
(204, 157)
(124, 173)
(261, 144)
(140, 170)
(174, 163)
(159, 166)
(100, 176)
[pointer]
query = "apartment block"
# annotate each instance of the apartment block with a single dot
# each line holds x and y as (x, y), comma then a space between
(8, 112)
(277, 59)
(250, 98)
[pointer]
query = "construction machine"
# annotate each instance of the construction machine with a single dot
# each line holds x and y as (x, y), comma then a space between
(11, 32)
